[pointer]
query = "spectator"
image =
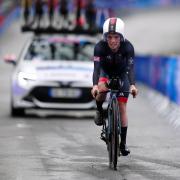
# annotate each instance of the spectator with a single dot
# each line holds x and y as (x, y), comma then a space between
(90, 14)
(51, 9)
(26, 4)
(79, 19)
(38, 11)
(63, 11)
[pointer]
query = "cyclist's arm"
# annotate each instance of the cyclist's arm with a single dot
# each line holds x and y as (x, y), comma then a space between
(96, 72)
(131, 76)
(97, 67)
(130, 61)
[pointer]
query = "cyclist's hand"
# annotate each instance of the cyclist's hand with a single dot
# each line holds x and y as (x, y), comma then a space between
(94, 91)
(133, 90)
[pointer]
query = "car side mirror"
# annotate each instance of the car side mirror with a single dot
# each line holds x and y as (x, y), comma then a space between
(10, 58)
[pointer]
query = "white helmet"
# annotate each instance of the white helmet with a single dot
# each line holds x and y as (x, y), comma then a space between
(114, 25)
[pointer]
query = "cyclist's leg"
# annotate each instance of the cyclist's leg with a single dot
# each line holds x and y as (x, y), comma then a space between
(123, 112)
(122, 99)
(124, 124)
(100, 98)
(101, 87)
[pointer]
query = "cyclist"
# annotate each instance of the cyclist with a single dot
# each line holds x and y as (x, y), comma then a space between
(113, 56)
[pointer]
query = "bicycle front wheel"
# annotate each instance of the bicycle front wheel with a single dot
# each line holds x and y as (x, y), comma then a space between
(114, 135)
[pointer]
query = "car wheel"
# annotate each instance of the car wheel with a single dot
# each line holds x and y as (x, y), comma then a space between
(17, 112)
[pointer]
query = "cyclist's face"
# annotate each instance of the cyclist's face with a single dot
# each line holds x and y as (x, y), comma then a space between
(113, 41)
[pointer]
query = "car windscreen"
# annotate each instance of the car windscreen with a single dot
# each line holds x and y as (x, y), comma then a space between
(60, 50)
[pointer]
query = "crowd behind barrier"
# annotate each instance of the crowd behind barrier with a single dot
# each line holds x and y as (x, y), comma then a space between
(161, 73)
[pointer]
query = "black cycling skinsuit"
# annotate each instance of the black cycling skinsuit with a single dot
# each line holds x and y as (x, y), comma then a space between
(108, 63)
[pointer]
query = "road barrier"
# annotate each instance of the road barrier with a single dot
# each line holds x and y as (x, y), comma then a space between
(8, 12)
(161, 73)
(116, 4)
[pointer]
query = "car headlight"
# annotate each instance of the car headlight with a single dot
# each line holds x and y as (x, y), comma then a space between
(25, 78)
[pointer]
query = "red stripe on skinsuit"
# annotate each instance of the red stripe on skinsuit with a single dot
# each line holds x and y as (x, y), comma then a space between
(122, 99)
(103, 79)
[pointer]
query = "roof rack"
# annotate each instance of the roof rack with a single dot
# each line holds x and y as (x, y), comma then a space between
(53, 30)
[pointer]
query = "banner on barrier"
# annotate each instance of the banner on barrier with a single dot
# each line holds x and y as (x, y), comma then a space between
(161, 74)
(115, 4)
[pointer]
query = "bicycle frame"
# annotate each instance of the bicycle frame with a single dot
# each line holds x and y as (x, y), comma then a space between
(111, 129)
(113, 96)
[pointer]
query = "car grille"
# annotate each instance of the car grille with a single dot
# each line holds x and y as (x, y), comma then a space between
(42, 94)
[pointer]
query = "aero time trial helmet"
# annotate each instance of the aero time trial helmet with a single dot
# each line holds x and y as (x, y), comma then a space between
(113, 25)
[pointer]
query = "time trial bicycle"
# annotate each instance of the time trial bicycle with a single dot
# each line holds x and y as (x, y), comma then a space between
(111, 129)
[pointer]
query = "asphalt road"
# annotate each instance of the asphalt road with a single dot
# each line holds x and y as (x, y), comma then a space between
(55, 148)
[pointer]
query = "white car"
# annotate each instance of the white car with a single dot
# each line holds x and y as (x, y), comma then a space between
(53, 73)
